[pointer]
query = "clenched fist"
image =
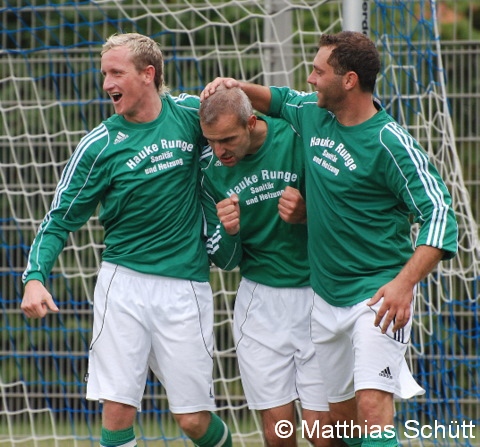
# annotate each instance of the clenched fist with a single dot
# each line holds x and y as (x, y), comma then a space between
(228, 211)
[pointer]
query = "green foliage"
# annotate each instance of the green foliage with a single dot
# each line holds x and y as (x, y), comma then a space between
(461, 20)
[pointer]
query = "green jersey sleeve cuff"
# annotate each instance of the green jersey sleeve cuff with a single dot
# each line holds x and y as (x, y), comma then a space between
(231, 253)
(33, 275)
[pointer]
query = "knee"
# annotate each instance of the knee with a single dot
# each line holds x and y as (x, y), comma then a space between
(117, 416)
(193, 424)
(375, 406)
(344, 412)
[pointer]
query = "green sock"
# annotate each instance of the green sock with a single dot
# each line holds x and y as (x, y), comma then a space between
(118, 438)
(217, 434)
(353, 442)
(384, 439)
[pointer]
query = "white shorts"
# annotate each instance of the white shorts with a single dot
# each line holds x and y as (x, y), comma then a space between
(143, 321)
(275, 352)
(356, 355)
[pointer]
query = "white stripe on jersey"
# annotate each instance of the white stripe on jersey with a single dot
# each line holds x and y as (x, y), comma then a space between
(84, 144)
(438, 224)
(97, 133)
(206, 153)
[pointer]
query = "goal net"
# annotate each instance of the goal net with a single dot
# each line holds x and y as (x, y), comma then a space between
(51, 95)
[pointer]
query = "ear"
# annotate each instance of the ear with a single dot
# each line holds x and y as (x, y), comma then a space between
(350, 80)
(252, 122)
(149, 74)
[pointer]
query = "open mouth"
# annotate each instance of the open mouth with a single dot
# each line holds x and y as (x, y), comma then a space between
(115, 97)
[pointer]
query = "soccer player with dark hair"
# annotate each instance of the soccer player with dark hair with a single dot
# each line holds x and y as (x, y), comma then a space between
(367, 181)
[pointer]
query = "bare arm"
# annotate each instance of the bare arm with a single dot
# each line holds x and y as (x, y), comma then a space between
(398, 294)
(259, 95)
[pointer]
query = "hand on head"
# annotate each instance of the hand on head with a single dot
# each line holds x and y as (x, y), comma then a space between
(217, 84)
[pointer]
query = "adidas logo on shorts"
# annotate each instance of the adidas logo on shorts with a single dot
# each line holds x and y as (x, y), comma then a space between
(386, 373)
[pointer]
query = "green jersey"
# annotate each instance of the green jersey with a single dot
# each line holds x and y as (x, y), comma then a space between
(274, 252)
(365, 185)
(145, 178)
